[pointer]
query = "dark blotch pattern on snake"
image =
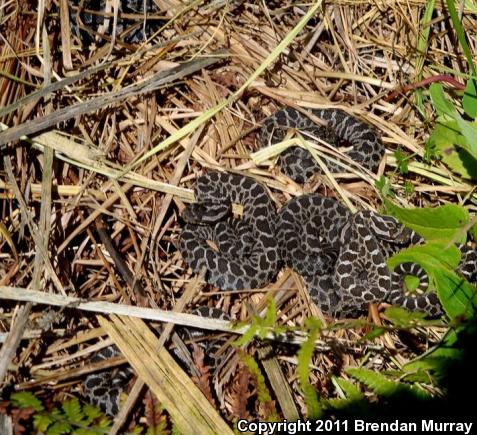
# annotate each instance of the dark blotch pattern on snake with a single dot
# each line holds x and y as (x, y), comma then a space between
(342, 257)
(342, 129)
(247, 253)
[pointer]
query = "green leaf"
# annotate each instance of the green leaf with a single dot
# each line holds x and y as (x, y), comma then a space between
(104, 422)
(458, 297)
(72, 410)
(449, 145)
(469, 101)
(175, 431)
(305, 355)
(450, 339)
(384, 186)
(91, 412)
(411, 283)
(446, 222)
(259, 326)
(42, 421)
(438, 358)
(469, 131)
(420, 376)
(271, 314)
(439, 260)
(440, 102)
(374, 381)
(160, 429)
(263, 394)
(432, 256)
(436, 364)
(92, 431)
(351, 390)
(59, 428)
(354, 399)
(405, 319)
(137, 430)
(408, 188)
(401, 159)
(247, 336)
(430, 153)
(383, 386)
(444, 107)
(26, 399)
(313, 323)
(375, 332)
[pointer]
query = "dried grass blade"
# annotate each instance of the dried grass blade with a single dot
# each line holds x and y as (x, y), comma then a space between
(191, 126)
(191, 412)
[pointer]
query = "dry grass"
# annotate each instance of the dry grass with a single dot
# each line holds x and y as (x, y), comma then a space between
(353, 55)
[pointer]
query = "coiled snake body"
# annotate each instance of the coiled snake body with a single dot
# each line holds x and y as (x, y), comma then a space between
(341, 129)
(341, 257)
(247, 254)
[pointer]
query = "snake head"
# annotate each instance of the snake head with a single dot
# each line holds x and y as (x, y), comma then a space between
(388, 228)
(206, 213)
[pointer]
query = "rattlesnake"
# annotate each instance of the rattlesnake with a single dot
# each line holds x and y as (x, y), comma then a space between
(252, 239)
(341, 129)
(247, 254)
(341, 257)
